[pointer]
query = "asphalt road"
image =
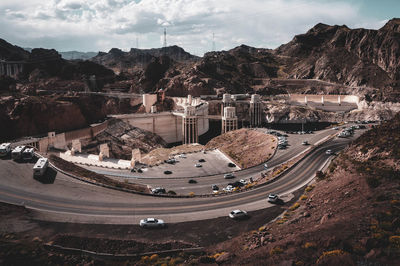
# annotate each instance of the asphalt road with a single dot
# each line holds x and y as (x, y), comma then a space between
(203, 186)
(65, 199)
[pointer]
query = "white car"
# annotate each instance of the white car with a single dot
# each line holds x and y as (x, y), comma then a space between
(152, 223)
(229, 188)
(244, 182)
(273, 198)
(265, 166)
(237, 214)
(329, 152)
(182, 155)
(198, 165)
(305, 142)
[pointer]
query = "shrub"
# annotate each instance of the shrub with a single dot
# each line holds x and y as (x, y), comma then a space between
(373, 181)
(336, 252)
(309, 188)
(294, 206)
(395, 241)
(154, 257)
(276, 250)
(320, 175)
(303, 197)
(310, 245)
(262, 228)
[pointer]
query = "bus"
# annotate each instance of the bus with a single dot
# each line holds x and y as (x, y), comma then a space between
(5, 149)
(40, 167)
(28, 154)
(16, 153)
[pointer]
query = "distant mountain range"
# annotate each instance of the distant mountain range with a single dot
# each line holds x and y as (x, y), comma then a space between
(72, 55)
(356, 61)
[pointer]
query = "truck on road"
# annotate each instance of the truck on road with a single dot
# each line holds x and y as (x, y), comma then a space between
(28, 154)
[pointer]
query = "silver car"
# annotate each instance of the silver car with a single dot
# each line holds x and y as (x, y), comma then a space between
(152, 223)
(237, 214)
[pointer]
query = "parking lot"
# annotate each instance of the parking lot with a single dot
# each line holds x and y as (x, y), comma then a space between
(191, 165)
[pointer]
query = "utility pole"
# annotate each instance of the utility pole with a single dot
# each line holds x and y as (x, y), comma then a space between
(213, 42)
(165, 38)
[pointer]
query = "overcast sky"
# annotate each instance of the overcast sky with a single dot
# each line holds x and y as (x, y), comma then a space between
(99, 25)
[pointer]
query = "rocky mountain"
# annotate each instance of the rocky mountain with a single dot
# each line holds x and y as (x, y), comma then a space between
(361, 61)
(352, 57)
(122, 138)
(9, 52)
(33, 115)
(74, 55)
(137, 59)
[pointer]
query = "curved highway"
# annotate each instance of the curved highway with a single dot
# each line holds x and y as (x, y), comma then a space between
(70, 200)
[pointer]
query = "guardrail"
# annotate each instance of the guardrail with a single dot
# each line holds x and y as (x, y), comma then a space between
(120, 256)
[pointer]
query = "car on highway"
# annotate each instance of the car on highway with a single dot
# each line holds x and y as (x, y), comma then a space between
(158, 190)
(236, 184)
(202, 160)
(182, 155)
(151, 223)
(244, 182)
(229, 176)
(265, 166)
(238, 214)
(198, 165)
(273, 198)
(329, 152)
(214, 187)
(305, 142)
(170, 161)
(192, 181)
(228, 188)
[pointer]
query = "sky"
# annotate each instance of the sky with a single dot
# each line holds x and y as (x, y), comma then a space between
(99, 25)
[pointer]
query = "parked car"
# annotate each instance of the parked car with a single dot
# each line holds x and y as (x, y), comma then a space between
(273, 198)
(152, 223)
(158, 190)
(229, 176)
(238, 214)
(198, 165)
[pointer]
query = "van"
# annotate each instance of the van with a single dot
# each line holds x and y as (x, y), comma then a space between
(265, 166)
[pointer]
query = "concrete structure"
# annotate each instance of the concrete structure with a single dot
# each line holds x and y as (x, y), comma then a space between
(11, 68)
(136, 157)
(255, 110)
(226, 102)
(229, 120)
(332, 103)
(76, 146)
(104, 151)
(148, 101)
(169, 125)
(190, 133)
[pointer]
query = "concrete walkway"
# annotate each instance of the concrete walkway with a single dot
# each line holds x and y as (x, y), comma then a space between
(93, 160)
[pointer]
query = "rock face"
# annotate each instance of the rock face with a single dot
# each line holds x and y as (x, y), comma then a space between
(122, 138)
(138, 59)
(27, 116)
(353, 57)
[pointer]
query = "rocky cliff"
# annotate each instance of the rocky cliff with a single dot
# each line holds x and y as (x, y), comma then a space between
(32, 115)
(352, 57)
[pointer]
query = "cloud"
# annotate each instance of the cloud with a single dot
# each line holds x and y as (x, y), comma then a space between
(103, 24)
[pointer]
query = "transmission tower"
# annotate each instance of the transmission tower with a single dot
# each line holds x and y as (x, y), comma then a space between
(213, 42)
(165, 38)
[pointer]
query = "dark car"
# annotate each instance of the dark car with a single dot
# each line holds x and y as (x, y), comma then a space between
(192, 181)
(202, 161)
(231, 165)
(215, 187)
(236, 184)
(167, 172)
(158, 190)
